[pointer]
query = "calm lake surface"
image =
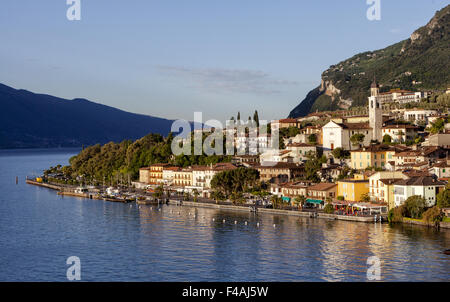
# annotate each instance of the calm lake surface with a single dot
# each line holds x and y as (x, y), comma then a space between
(39, 230)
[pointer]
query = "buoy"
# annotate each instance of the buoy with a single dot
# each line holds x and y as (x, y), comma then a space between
(235, 222)
(224, 221)
(246, 223)
(214, 219)
(257, 224)
(159, 210)
(274, 225)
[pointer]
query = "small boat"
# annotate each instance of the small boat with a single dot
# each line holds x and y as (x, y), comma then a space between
(447, 252)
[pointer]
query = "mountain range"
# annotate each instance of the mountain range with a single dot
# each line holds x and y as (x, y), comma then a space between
(30, 120)
(421, 62)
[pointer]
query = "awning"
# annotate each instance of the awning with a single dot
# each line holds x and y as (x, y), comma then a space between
(316, 201)
(286, 198)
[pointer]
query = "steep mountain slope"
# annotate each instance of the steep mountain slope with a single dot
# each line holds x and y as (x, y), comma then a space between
(420, 62)
(29, 120)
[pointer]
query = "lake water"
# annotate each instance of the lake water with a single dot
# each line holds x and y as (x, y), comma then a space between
(39, 230)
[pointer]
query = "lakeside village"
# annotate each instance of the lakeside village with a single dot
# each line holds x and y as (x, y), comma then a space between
(381, 163)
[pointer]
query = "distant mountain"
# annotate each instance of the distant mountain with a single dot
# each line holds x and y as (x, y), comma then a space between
(420, 62)
(29, 120)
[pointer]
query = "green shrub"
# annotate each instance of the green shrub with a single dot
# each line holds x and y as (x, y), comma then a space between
(433, 216)
(329, 209)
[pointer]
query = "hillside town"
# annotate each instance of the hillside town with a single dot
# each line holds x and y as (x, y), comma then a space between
(366, 164)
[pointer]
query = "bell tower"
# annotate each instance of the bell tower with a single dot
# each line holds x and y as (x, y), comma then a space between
(375, 112)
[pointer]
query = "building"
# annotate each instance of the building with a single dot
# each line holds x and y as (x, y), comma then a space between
(183, 177)
(373, 156)
(438, 140)
(400, 133)
(441, 169)
(352, 189)
(168, 174)
(289, 171)
(381, 182)
(299, 151)
(338, 135)
(387, 186)
(424, 154)
(401, 96)
(245, 160)
(152, 174)
(320, 193)
(424, 186)
(417, 115)
(144, 175)
(293, 189)
(283, 123)
(375, 112)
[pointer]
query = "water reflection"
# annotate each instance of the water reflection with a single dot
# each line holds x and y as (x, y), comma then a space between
(119, 242)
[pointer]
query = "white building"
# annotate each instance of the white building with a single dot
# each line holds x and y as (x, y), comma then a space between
(416, 115)
(400, 133)
(338, 135)
(424, 186)
(299, 151)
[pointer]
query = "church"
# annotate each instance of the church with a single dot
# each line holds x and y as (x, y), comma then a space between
(337, 133)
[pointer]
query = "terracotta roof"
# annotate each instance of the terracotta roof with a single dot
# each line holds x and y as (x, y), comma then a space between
(322, 186)
(420, 181)
(224, 166)
(288, 120)
(297, 145)
(355, 126)
(397, 126)
(389, 181)
(375, 148)
(281, 165)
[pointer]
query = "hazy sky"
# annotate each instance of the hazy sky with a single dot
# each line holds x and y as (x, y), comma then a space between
(170, 58)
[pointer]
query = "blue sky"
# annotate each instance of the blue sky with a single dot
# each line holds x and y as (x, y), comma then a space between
(170, 58)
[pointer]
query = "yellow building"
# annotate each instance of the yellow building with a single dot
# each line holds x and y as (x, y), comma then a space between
(183, 178)
(373, 156)
(380, 184)
(388, 191)
(353, 189)
(152, 174)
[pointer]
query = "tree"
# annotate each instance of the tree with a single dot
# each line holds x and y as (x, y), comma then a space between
(329, 209)
(300, 201)
(235, 181)
(159, 191)
(433, 215)
(276, 201)
(312, 139)
(415, 206)
(400, 134)
(365, 197)
(357, 139)
(313, 165)
(437, 126)
(256, 118)
(387, 139)
(239, 116)
(340, 153)
(196, 194)
(443, 198)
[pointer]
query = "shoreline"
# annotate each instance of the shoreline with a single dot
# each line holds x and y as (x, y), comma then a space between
(444, 225)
